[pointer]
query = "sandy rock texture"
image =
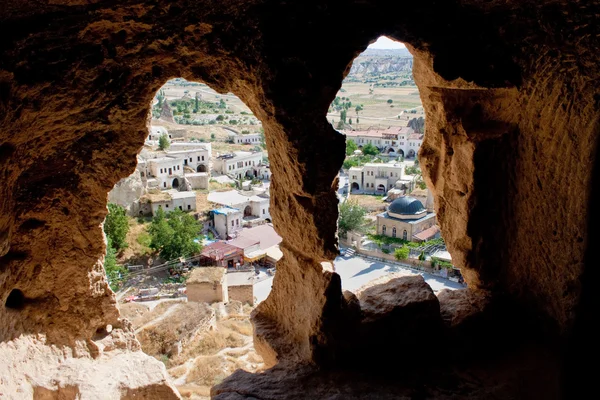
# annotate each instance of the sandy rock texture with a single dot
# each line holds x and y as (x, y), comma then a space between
(32, 368)
(509, 90)
(127, 192)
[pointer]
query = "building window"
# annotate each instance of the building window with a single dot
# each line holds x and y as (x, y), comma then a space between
(404, 235)
(190, 159)
(166, 205)
(232, 223)
(383, 229)
(202, 158)
(263, 211)
(181, 208)
(237, 222)
(189, 207)
(394, 232)
(165, 184)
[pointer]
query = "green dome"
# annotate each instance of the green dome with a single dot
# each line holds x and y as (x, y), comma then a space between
(406, 205)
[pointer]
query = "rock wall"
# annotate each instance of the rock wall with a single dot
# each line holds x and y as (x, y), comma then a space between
(127, 192)
(512, 129)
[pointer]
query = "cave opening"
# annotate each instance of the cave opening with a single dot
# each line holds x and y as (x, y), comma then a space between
(386, 209)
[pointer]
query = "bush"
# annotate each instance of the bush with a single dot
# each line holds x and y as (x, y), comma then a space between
(402, 253)
(386, 251)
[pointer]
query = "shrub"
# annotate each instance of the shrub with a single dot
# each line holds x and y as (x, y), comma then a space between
(401, 253)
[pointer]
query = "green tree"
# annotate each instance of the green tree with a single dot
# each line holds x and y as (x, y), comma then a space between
(369, 149)
(197, 103)
(336, 101)
(173, 234)
(343, 116)
(222, 104)
(390, 101)
(351, 146)
(350, 121)
(351, 217)
(402, 253)
(114, 273)
(163, 142)
(220, 117)
(116, 226)
(212, 136)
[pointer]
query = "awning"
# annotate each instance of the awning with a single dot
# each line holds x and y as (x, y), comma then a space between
(254, 255)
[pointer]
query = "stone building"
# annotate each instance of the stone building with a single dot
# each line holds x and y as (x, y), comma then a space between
(238, 164)
(240, 286)
(401, 141)
(207, 285)
(375, 177)
(404, 218)
(252, 209)
(168, 200)
(249, 138)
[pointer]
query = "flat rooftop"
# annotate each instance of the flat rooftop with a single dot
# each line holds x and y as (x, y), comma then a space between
(240, 278)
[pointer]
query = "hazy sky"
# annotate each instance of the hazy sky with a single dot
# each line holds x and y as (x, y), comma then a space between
(385, 43)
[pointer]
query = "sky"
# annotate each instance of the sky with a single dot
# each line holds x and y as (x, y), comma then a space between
(386, 43)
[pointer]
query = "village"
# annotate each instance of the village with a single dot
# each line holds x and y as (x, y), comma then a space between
(197, 234)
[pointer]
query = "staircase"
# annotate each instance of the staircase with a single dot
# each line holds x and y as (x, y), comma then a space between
(349, 252)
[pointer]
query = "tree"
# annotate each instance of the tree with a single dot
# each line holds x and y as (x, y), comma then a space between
(116, 226)
(390, 101)
(352, 217)
(114, 272)
(163, 142)
(402, 253)
(220, 117)
(222, 104)
(343, 116)
(197, 102)
(350, 121)
(370, 150)
(351, 146)
(173, 234)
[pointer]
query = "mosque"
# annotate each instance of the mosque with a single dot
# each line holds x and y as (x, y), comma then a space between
(406, 218)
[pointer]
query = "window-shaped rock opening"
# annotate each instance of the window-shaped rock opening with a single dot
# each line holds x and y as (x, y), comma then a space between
(190, 231)
(15, 300)
(387, 225)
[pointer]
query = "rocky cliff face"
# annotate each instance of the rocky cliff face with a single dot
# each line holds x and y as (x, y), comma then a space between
(369, 65)
(127, 191)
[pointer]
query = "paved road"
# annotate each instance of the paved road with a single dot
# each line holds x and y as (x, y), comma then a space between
(356, 272)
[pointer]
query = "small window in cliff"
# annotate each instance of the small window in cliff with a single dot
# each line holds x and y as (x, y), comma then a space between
(179, 214)
(15, 300)
(386, 210)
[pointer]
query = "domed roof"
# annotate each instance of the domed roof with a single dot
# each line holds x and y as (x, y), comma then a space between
(406, 205)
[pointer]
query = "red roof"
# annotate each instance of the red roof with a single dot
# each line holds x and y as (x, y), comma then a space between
(220, 250)
(427, 233)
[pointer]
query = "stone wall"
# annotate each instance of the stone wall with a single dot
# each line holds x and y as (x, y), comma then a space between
(206, 292)
(242, 293)
(509, 91)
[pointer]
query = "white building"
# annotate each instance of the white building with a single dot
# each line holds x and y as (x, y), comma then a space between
(168, 200)
(164, 172)
(185, 166)
(250, 138)
(154, 134)
(253, 209)
(228, 221)
(238, 164)
(194, 155)
(375, 177)
(402, 141)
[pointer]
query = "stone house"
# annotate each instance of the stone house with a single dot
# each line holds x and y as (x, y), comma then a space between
(405, 218)
(375, 177)
(168, 200)
(238, 164)
(207, 285)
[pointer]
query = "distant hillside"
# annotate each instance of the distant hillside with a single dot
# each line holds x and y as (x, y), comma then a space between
(380, 62)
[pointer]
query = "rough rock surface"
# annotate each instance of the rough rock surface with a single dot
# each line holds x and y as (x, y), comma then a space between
(128, 191)
(31, 368)
(510, 94)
